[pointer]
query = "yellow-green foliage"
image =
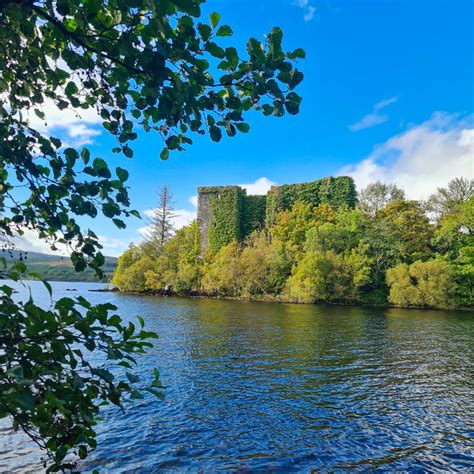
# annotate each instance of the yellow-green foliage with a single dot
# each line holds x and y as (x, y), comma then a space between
(322, 277)
(290, 227)
(336, 192)
(340, 234)
(422, 284)
(258, 260)
(131, 270)
(223, 274)
(412, 227)
(321, 254)
(175, 266)
(455, 238)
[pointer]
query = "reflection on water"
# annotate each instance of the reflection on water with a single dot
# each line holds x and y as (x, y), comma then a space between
(285, 387)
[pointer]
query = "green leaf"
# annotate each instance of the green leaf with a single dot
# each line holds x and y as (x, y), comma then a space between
(225, 30)
(165, 153)
(119, 223)
(82, 452)
(215, 18)
(205, 31)
(122, 174)
(48, 287)
(215, 50)
(127, 151)
(71, 88)
(299, 53)
(232, 57)
(85, 155)
(216, 133)
(243, 127)
(110, 209)
(132, 377)
(295, 78)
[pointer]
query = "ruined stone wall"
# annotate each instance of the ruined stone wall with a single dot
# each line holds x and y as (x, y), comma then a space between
(203, 217)
(226, 213)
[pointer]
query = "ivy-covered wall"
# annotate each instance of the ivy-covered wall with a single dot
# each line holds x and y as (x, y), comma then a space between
(336, 192)
(254, 208)
(226, 213)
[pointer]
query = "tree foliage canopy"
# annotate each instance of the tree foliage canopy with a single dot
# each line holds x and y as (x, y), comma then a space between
(145, 65)
(334, 254)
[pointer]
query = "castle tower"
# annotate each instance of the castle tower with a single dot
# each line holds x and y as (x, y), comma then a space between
(226, 213)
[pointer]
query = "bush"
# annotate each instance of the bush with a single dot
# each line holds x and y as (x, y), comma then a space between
(324, 277)
(421, 284)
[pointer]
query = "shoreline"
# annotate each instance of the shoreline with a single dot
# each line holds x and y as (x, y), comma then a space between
(267, 299)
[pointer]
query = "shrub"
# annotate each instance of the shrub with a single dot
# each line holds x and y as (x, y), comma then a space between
(421, 284)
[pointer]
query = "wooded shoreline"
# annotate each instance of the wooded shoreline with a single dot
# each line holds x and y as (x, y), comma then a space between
(269, 299)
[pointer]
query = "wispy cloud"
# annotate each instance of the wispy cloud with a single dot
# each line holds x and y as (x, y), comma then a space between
(308, 8)
(376, 117)
(422, 158)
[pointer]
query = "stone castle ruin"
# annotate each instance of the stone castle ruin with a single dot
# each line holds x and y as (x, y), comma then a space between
(227, 213)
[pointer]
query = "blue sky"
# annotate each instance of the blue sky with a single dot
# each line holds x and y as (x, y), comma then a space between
(387, 94)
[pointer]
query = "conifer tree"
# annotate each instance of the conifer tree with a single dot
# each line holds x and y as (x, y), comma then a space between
(161, 226)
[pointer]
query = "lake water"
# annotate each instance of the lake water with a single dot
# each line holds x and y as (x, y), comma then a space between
(281, 387)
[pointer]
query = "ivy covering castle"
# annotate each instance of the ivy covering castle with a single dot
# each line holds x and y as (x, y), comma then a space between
(227, 213)
(316, 242)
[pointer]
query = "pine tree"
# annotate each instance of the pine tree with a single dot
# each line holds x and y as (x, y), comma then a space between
(160, 225)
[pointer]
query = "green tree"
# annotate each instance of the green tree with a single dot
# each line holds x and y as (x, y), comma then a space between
(411, 226)
(148, 65)
(125, 261)
(133, 277)
(323, 277)
(454, 239)
(422, 284)
(445, 200)
(291, 226)
(343, 234)
(258, 261)
(377, 195)
(223, 274)
(177, 267)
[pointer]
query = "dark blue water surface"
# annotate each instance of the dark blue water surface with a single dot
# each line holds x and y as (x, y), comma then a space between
(281, 387)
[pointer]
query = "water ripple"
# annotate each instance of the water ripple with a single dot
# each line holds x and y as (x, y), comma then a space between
(268, 387)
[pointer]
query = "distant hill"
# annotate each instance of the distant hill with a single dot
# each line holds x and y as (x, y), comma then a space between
(57, 268)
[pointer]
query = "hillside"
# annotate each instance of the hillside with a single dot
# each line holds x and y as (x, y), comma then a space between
(58, 268)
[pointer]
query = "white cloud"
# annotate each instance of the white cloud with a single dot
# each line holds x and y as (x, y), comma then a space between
(181, 218)
(310, 11)
(308, 8)
(112, 246)
(368, 121)
(194, 201)
(73, 126)
(385, 102)
(30, 242)
(422, 158)
(374, 117)
(259, 186)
